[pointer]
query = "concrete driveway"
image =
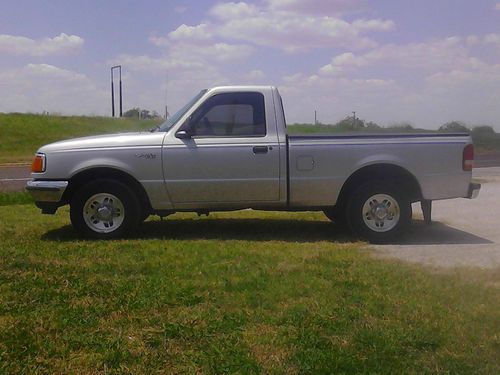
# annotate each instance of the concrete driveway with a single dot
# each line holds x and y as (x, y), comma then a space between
(464, 232)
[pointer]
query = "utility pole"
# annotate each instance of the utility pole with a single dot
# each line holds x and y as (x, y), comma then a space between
(315, 118)
(353, 119)
(119, 67)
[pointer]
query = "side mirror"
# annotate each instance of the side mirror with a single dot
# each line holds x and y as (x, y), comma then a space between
(182, 134)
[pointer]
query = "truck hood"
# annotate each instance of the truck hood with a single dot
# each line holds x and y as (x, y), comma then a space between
(138, 139)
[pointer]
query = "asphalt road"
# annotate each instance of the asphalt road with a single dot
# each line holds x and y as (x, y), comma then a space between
(13, 177)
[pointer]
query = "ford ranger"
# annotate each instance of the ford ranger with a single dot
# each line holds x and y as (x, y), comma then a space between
(228, 149)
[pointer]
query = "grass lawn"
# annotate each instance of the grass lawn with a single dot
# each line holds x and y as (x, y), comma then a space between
(248, 293)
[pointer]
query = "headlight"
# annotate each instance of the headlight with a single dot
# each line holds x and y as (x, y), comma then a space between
(38, 165)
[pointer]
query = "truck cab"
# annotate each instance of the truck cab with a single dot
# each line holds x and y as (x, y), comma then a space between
(230, 151)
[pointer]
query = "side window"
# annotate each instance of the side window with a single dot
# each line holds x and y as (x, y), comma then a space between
(230, 115)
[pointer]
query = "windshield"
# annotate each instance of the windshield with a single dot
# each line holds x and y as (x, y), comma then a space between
(181, 112)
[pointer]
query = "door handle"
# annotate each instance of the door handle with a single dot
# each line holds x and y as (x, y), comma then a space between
(260, 149)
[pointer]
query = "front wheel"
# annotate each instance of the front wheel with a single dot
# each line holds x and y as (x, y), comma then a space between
(104, 209)
(378, 212)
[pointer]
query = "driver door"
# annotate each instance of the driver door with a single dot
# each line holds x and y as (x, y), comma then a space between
(230, 157)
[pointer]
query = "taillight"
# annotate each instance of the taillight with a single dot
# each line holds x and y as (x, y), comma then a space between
(468, 158)
(38, 165)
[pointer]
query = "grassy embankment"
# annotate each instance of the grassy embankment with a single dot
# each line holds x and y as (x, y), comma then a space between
(248, 292)
(22, 134)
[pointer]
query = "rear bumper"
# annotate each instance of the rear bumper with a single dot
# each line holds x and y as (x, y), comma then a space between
(473, 190)
(47, 191)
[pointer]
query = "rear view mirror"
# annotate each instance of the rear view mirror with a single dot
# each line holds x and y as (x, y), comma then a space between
(182, 134)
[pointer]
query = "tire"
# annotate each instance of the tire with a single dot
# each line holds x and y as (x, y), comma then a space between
(331, 214)
(378, 212)
(336, 215)
(104, 209)
(144, 215)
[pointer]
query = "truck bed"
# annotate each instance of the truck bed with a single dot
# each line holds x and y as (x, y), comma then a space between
(319, 164)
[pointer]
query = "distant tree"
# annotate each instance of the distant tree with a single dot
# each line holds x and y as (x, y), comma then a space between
(454, 126)
(372, 125)
(145, 114)
(483, 129)
(401, 126)
(155, 115)
(350, 124)
(134, 113)
(142, 113)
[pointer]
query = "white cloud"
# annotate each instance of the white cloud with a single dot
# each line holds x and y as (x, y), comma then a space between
(483, 40)
(227, 11)
(373, 25)
(253, 77)
(152, 64)
(43, 87)
(441, 54)
(199, 33)
(20, 45)
(318, 7)
(492, 39)
(292, 31)
(224, 52)
(182, 57)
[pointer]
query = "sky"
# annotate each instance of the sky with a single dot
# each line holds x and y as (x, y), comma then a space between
(425, 62)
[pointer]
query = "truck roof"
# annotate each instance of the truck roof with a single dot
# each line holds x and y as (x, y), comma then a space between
(243, 87)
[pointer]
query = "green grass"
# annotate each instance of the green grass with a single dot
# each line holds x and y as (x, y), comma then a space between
(11, 198)
(22, 134)
(247, 293)
(324, 128)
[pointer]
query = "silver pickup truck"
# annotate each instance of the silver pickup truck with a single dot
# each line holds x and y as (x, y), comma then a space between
(228, 149)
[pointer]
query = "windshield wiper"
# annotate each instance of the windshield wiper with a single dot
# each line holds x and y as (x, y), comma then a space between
(154, 129)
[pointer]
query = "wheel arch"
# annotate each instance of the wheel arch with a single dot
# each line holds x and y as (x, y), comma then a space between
(87, 175)
(383, 172)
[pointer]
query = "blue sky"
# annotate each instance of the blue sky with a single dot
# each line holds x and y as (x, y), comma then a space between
(425, 62)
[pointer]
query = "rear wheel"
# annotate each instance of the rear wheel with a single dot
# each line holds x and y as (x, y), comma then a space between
(104, 209)
(378, 212)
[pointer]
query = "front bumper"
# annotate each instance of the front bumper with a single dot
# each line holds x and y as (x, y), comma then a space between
(46, 191)
(473, 190)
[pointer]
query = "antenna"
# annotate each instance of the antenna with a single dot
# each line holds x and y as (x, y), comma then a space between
(166, 94)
